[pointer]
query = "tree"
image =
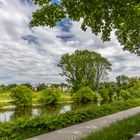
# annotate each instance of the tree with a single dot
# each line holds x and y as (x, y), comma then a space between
(102, 65)
(27, 85)
(41, 87)
(122, 80)
(10, 86)
(101, 16)
(22, 95)
(83, 68)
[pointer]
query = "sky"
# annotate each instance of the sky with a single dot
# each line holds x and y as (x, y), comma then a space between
(32, 55)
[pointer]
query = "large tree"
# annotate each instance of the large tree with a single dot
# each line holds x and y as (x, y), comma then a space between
(101, 16)
(84, 68)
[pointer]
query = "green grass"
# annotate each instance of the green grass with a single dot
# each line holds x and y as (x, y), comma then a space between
(5, 104)
(25, 128)
(5, 96)
(121, 130)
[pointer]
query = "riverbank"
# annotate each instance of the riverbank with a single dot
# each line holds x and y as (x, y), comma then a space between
(25, 128)
(113, 132)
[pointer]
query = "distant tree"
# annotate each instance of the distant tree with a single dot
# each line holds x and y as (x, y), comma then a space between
(10, 86)
(54, 85)
(84, 68)
(2, 88)
(122, 81)
(102, 66)
(41, 87)
(28, 85)
(101, 16)
(22, 95)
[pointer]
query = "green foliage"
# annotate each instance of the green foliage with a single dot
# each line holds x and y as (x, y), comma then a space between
(101, 16)
(41, 87)
(10, 86)
(25, 128)
(125, 94)
(2, 90)
(106, 94)
(84, 95)
(121, 130)
(28, 85)
(84, 68)
(122, 81)
(50, 96)
(22, 95)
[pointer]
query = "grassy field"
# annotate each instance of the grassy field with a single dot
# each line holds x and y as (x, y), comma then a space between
(5, 96)
(121, 130)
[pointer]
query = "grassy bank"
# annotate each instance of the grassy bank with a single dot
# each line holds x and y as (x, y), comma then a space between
(121, 130)
(25, 128)
(2, 104)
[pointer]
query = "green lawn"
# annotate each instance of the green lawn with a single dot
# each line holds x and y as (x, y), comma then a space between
(121, 130)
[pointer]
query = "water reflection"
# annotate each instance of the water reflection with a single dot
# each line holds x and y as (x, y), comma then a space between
(65, 109)
(6, 116)
(12, 115)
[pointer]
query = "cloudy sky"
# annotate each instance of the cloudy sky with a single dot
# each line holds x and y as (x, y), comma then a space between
(32, 55)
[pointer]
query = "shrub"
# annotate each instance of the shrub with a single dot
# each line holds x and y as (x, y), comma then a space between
(134, 92)
(105, 94)
(50, 96)
(114, 97)
(22, 95)
(125, 94)
(84, 95)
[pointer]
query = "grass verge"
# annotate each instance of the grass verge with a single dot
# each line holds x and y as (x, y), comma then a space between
(121, 130)
(25, 128)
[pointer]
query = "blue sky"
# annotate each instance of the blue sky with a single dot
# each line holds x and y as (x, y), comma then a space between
(32, 55)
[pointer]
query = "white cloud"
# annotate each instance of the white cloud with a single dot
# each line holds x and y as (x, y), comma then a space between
(36, 61)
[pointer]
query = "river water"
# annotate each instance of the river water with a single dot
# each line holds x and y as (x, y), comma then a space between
(14, 114)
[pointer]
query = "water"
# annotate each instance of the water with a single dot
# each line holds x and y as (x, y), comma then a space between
(13, 114)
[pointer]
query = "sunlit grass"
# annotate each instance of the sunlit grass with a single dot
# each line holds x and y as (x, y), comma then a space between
(121, 130)
(5, 96)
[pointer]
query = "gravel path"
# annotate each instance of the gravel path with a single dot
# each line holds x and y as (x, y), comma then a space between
(83, 129)
(136, 137)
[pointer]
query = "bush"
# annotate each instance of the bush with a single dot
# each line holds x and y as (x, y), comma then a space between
(22, 95)
(134, 92)
(26, 128)
(50, 96)
(105, 94)
(84, 95)
(125, 94)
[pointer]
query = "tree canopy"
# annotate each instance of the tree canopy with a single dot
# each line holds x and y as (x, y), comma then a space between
(84, 68)
(101, 16)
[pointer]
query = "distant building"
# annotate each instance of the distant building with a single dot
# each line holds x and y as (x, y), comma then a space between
(35, 87)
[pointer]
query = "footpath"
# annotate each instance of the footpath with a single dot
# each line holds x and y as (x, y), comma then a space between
(83, 129)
